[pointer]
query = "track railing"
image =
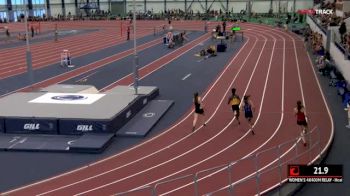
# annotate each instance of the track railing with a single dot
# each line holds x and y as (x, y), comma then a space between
(266, 172)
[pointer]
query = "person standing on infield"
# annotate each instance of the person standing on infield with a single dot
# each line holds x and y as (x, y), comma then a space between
(301, 120)
(198, 110)
(128, 33)
(248, 109)
(234, 101)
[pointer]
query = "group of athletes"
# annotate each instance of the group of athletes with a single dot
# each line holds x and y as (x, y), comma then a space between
(248, 109)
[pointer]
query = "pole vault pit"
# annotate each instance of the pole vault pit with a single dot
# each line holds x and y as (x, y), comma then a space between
(83, 121)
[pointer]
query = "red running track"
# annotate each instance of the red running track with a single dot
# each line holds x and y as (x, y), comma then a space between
(48, 52)
(274, 68)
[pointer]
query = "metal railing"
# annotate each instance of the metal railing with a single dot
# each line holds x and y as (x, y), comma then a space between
(264, 169)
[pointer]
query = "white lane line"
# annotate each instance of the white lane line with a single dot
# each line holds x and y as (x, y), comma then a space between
(330, 117)
(257, 119)
(275, 132)
(301, 89)
(187, 152)
(300, 85)
(188, 75)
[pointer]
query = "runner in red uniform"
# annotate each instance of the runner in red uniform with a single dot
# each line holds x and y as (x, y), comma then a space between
(301, 120)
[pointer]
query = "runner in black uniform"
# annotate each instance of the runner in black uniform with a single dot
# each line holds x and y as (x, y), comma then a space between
(234, 101)
(248, 108)
(198, 109)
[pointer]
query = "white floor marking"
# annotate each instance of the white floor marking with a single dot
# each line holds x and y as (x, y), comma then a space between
(188, 75)
(86, 77)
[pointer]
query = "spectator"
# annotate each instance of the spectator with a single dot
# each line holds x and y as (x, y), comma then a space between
(321, 64)
(32, 30)
(128, 33)
(342, 30)
(224, 26)
(7, 31)
(348, 109)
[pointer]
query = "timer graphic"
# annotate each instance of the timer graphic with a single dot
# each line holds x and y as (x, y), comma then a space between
(315, 173)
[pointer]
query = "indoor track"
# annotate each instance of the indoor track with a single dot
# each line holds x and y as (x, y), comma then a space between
(272, 66)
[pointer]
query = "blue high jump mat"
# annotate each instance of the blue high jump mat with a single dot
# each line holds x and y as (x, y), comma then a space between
(144, 121)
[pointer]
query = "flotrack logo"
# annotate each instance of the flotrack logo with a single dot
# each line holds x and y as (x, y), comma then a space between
(324, 11)
(31, 126)
(84, 128)
(316, 11)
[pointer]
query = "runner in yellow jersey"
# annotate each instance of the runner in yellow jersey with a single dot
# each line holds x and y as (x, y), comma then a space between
(234, 101)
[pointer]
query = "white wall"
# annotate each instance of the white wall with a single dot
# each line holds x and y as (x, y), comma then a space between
(104, 6)
(197, 7)
(70, 8)
(55, 10)
(237, 6)
(261, 7)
